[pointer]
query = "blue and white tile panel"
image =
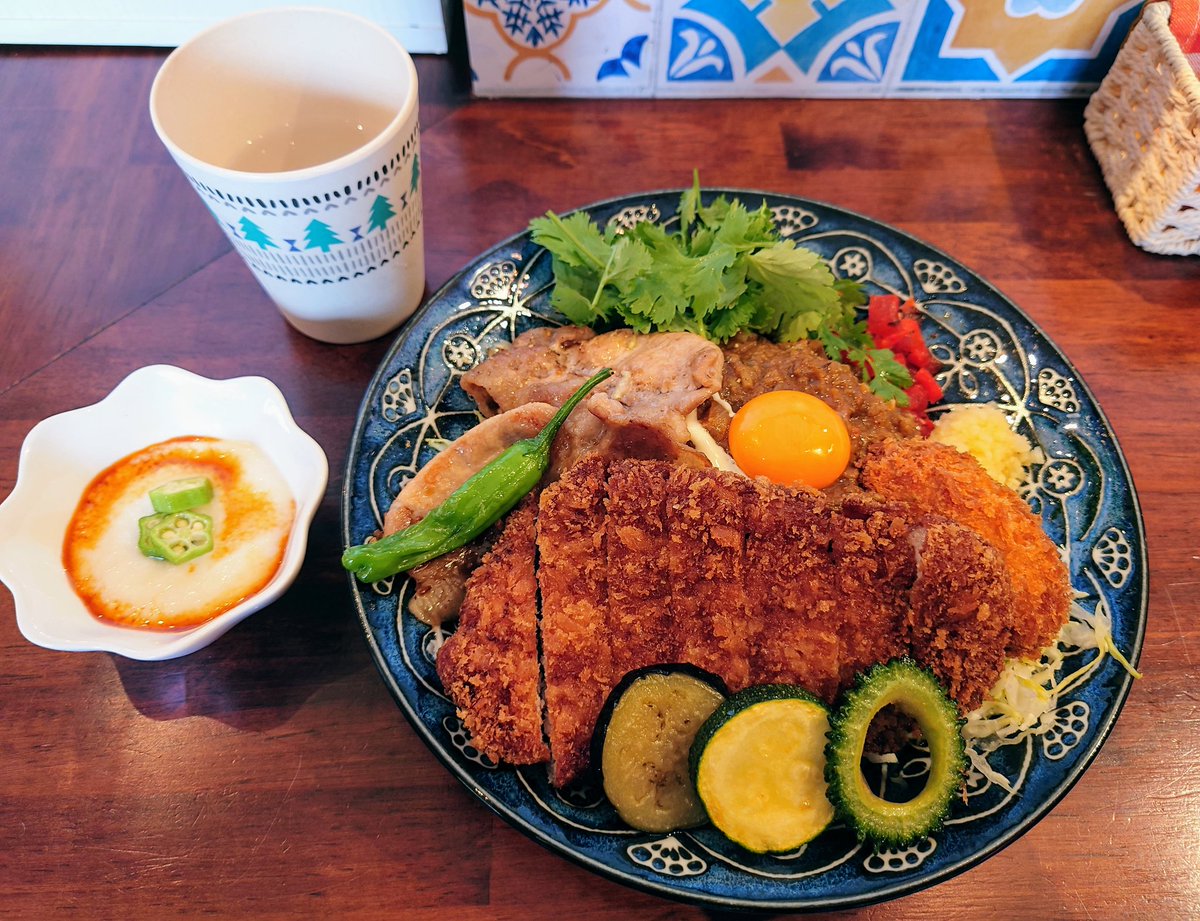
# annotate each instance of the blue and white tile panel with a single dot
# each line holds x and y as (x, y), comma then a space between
(680, 48)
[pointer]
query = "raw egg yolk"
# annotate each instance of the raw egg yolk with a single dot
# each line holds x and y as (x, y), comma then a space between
(791, 438)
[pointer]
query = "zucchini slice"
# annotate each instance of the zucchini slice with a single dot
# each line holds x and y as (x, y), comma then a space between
(915, 691)
(758, 764)
(642, 741)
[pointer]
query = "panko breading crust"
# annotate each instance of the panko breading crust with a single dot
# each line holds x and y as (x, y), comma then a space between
(788, 571)
(577, 652)
(645, 562)
(489, 667)
(932, 476)
(962, 610)
(711, 614)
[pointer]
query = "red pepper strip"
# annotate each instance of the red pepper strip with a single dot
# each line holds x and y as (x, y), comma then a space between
(894, 325)
(923, 379)
(912, 344)
(883, 312)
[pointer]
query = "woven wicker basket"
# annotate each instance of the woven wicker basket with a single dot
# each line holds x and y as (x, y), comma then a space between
(1143, 124)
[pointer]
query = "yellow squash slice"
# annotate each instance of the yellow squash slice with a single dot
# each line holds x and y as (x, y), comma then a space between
(759, 768)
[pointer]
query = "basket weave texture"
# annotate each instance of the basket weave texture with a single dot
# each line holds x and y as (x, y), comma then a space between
(1143, 125)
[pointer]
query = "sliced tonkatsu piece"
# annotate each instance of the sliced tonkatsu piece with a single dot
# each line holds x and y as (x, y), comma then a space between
(710, 614)
(790, 586)
(937, 477)
(576, 647)
(489, 667)
(666, 589)
(873, 567)
(641, 627)
(961, 610)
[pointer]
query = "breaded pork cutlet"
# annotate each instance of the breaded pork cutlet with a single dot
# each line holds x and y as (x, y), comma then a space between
(577, 652)
(791, 589)
(937, 477)
(489, 667)
(710, 612)
(961, 612)
(640, 565)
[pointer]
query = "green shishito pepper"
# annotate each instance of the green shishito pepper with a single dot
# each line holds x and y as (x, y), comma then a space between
(472, 508)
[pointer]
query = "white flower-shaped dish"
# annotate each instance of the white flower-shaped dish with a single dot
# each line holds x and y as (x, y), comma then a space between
(62, 455)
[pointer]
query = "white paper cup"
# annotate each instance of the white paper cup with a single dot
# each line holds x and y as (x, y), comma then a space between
(298, 129)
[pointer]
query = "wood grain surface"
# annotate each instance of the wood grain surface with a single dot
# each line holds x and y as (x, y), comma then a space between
(271, 775)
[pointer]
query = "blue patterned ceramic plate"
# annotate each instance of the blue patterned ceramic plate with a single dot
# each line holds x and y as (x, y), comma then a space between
(990, 351)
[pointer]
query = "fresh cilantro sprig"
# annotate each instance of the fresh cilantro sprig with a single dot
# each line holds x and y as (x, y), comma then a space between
(723, 270)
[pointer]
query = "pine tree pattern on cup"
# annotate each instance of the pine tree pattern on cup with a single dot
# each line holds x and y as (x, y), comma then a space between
(318, 252)
(327, 237)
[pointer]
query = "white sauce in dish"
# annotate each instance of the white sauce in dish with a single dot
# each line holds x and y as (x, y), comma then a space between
(252, 511)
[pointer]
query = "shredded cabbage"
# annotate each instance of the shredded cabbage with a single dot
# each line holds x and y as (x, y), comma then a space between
(1026, 696)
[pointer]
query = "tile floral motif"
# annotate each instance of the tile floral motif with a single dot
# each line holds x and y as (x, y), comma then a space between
(779, 48)
(1015, 47)
(794, 47)
(551, 47)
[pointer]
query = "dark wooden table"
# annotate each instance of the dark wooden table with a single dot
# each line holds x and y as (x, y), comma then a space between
(271, 774)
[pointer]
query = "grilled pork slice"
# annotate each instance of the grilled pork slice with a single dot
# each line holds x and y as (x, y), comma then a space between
(462, 459)
(489, 667)
(641, 411)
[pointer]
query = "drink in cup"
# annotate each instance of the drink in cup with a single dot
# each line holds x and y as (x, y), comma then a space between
(298, 130)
